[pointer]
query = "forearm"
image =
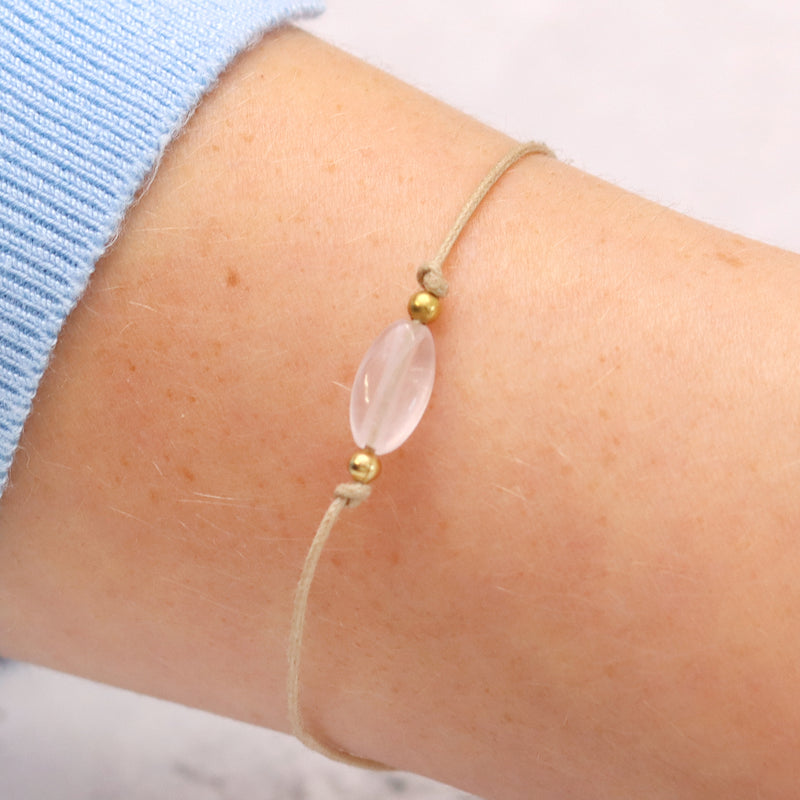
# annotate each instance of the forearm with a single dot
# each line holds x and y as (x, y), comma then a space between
(578, 573)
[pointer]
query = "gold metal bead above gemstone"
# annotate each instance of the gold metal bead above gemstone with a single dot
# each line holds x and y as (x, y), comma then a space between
(364, 466)
(424, 307)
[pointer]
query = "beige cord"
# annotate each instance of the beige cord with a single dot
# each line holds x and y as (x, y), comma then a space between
(350, 495)
(346, 494)
(430, 275)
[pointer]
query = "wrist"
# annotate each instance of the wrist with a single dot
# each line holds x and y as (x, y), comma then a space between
(538, 572)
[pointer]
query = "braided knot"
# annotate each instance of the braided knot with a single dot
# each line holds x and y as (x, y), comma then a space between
(353, 493)
(431, 280)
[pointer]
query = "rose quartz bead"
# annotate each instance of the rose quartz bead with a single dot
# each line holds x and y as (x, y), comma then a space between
(393, 386)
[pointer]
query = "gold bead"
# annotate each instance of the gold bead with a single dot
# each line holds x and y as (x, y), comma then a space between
(364, 466)
(424, 307)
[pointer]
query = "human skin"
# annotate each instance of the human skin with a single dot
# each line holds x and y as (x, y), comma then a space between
(577, 579)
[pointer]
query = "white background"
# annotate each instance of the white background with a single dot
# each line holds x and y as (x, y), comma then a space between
(691, 103)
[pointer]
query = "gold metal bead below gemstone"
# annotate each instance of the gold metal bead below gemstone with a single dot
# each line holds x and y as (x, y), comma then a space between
(424, 307)
(364, 466)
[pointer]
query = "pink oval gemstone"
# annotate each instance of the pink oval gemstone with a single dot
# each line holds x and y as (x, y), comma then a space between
(393, 386)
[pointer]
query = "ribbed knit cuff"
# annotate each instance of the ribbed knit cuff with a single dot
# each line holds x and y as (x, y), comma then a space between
(91, 91)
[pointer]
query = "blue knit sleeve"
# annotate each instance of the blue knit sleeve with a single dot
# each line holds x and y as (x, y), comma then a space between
(91, 91)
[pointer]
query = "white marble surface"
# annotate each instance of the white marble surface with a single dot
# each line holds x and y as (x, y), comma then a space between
(64, 738)
(693, 103)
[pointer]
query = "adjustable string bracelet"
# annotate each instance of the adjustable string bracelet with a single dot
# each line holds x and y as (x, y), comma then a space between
(390, 394)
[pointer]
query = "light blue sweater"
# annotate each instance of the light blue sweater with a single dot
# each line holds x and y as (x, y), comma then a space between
(91, 91)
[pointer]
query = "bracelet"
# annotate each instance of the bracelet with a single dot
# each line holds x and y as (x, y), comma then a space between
(390, 394)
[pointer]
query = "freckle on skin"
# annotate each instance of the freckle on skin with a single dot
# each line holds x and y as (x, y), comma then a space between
(729, 258)
(233, 279)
